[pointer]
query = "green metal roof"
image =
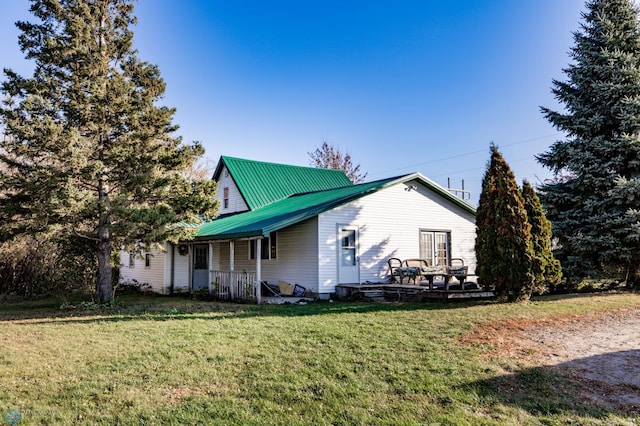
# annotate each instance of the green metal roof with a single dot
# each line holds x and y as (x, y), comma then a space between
(263, 183)
(281, 214)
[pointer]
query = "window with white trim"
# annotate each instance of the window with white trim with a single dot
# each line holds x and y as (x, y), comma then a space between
(225, 198)
(269, 249)
(147, 260)
(435, 247)
(132, 260)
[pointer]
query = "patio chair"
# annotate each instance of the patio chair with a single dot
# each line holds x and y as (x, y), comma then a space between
(458, 269)
(395, 270)
(415, 268)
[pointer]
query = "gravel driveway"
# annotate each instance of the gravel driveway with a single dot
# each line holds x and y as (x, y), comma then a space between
(599, 352)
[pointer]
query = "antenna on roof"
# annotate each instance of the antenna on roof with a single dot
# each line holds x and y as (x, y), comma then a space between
(460, 193)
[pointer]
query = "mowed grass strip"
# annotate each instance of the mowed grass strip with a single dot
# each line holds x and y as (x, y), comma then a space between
(161, 360)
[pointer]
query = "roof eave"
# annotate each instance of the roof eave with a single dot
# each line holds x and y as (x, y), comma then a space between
(440, 190)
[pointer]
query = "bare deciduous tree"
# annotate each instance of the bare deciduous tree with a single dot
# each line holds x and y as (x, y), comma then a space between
(330, 157)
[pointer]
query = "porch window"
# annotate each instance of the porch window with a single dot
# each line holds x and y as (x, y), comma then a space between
(269, 247)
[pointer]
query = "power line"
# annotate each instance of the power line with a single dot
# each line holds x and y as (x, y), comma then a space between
(475, 169)
(462, 155)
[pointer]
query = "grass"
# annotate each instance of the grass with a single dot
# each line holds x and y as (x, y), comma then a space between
(157, 360)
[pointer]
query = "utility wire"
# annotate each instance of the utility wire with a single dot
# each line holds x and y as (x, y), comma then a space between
(463, 155)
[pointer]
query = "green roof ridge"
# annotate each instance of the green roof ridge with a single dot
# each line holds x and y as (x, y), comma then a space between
(262, 183)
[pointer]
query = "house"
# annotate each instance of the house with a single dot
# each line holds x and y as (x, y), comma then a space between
(311, 227)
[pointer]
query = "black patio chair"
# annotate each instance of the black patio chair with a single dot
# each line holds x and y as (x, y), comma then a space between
(458, 269)
(395, 270)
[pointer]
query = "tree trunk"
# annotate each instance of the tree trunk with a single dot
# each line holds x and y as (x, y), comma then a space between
(104, 286)
(633, 277)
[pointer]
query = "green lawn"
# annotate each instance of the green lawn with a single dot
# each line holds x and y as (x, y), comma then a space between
(160, 360)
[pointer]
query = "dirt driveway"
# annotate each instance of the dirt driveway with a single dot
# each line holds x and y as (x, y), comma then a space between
(599, 352)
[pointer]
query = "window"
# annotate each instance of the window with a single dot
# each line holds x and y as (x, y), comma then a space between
(200, 253)
(268, 249)
(147, 260)
(348, 247)
(435, 247)
(225, 198)
(132, 260)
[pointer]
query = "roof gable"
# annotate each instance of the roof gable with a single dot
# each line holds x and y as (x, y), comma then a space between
(289, 211)
(263, 183)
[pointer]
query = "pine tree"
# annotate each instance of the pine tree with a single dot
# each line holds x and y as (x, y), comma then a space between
(329, 157)
(594, 200)
(92, 157)
(503, 234)
(546, 269)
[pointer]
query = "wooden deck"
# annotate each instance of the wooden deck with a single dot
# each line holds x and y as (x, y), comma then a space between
(405, 293)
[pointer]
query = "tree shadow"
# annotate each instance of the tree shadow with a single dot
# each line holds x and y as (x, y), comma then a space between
(597, 386)
(570, 296)
(165, 308)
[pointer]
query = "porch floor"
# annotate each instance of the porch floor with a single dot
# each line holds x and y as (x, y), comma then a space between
(383, 292)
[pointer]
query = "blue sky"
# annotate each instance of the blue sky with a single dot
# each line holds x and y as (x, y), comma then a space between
(403, 86)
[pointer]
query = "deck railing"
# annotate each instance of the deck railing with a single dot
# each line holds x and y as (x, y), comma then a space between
(231, 285)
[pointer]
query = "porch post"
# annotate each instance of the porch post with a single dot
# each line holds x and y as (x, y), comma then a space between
(232, 255)
(259, 270)
(210, 266)
(190, 269)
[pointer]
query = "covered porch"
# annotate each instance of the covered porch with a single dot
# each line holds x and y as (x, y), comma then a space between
(223, 275)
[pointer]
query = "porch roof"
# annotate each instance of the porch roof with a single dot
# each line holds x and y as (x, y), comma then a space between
(297, 208)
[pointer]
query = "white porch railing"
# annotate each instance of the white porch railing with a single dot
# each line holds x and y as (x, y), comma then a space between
(228, 285)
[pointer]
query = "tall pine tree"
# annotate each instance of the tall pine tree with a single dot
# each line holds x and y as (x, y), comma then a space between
(546, 269)
(594, 200)
(90, 154)
(503, 246)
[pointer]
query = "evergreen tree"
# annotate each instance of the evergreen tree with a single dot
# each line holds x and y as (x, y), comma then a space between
(92, 157)
(503, 234)
(594, 200)
(546, 268)
(329, 157)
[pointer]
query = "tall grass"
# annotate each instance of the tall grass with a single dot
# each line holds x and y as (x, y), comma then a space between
(174, 361)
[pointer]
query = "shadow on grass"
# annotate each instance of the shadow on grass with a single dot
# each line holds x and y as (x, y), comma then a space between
(597, 386)
(161, 308)
(569, 296)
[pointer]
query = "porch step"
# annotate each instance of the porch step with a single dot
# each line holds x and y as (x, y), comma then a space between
(373, 295)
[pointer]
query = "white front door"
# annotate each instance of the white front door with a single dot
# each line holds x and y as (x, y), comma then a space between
(348, 259)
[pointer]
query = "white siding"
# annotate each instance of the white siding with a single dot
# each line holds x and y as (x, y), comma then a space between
(154, 275)
(216, 266)
(297, 256)
(181, 271)
(296, 262)
(236, 202)
(389, 224)
(181, 265)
